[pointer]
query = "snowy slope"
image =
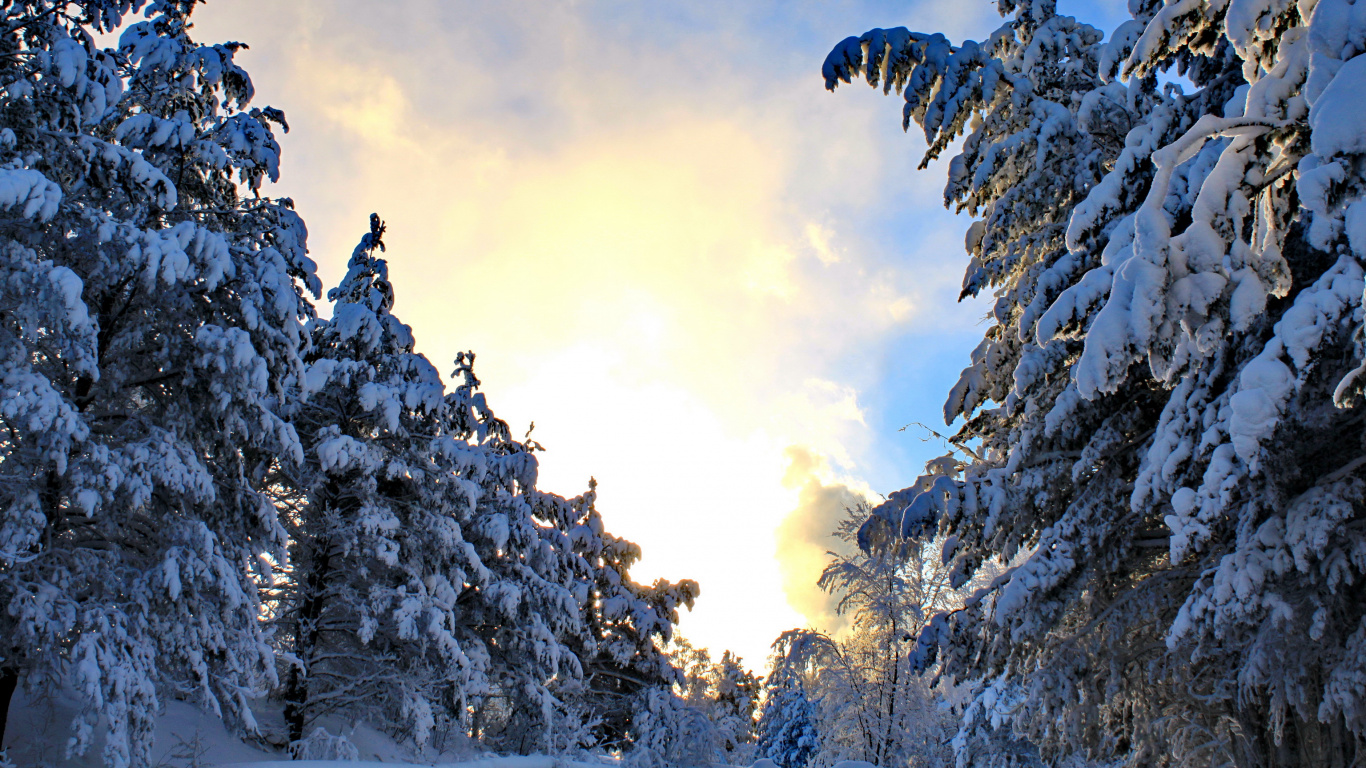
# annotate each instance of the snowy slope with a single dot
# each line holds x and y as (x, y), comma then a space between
(38, 730)
(188, 737)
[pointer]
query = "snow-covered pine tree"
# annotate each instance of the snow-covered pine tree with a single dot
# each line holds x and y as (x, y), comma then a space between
(151, 314)
(787, 723)
(724, 691)
(1163, 445)
(737, 700)
(369, 609)
(429, 578)
(526, 610)
(623, 625)
(667, 732)
(695, 670)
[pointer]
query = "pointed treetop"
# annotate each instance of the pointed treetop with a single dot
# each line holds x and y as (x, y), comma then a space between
(367, 277)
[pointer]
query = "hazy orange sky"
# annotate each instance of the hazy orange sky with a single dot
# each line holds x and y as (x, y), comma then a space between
(715, 287)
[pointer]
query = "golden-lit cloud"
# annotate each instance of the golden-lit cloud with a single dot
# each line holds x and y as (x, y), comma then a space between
(806, 535)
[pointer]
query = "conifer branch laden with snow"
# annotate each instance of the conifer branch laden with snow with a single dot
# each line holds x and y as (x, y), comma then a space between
(1170, 463)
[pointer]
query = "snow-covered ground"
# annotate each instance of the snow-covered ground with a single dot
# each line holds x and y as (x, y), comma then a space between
(519, 761)
(188, 737)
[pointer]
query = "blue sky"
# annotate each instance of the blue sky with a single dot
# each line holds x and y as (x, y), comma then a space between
(711, 284)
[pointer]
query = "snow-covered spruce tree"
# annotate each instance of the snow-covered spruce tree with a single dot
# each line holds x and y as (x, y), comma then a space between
(151, 313)
(724, 691)
(681, 719)
(695, 670)
(1161, 424)
(527, 608)
(737, 701)
(667, 731)
(431, 585)
(369, 611)
(787, 724)
(623, 625)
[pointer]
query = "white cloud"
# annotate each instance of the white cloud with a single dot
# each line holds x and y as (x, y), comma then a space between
(819, 238)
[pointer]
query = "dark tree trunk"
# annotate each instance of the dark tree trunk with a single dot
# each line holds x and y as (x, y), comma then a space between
(310, 613)
(9, 680)
(296, 700)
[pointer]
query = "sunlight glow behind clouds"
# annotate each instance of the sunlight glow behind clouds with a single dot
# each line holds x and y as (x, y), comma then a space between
(663, 255)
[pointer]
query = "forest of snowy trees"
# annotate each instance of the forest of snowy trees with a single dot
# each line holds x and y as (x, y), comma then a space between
(212, 494)
(1145, 547)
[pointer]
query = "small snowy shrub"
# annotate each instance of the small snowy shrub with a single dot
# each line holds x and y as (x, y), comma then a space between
(322, 745)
